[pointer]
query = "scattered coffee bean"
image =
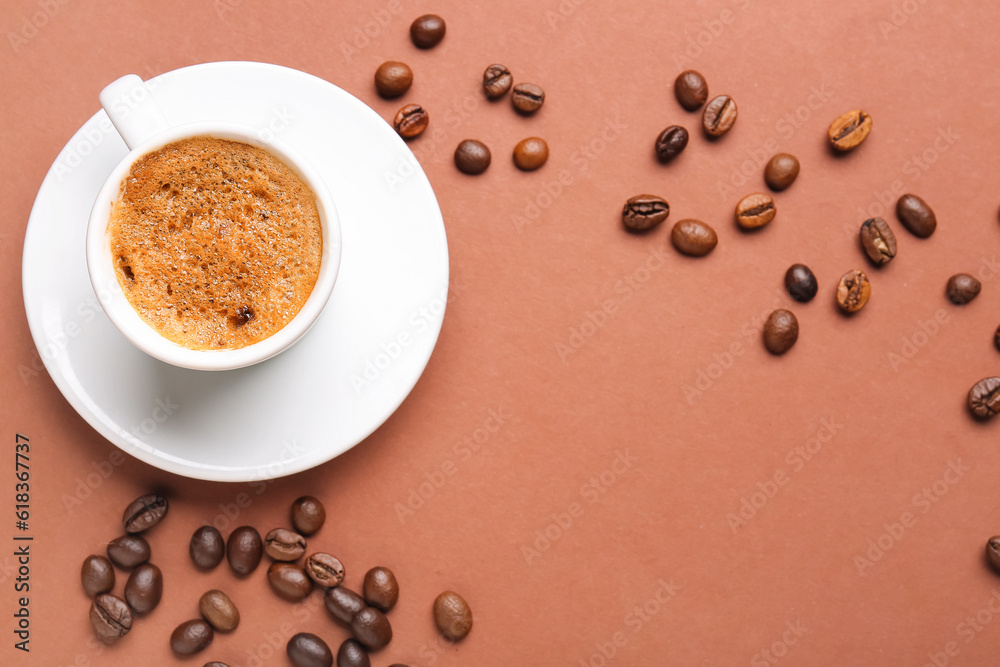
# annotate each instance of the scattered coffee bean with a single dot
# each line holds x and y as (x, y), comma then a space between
(996, 339)
(801, 283)
(993, 551)
(191, 637)
(878, 241)
(916, 216)
(128, 551)
(848, 130)
(308, 515)
(325, 570)
(781, 171)
(693, 237)
(110, 616)
(371, 628)
(719, 116)
(144, 512)
(452, 616)
(984, 398)
(289, 581)
(352, 654)
(644, 212)
(380, 589)
(780, 331)
(207, 547)
(97, 575)
(962, 288)
(670, 143)
(343, 604)
(144, 589)
(308, 650)
(411, 121)
(244, 550)
(853, 291)
(285, 545)
(393, 78)
(427, 31)
(531, 153)
(497, 80)
(527, 98)
(691, 89)
(219, 611)
(756, 210)
(472, 157)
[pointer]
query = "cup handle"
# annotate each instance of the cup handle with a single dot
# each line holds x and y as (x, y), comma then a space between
(132, 110)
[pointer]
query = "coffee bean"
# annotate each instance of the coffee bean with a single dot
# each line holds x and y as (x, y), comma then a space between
(693, 237)
(191, 637)
(452, 616)
(996, 339)
(472, 157)
(984, 398)
(878, 241)
(343, 604)
(800, 283)
(289, 581)
(916, 216)
(411, 121)
(144, 512)
(781, 171)
(110, 616)
(144, 589)
(993, 551)
(285, 545)
(128, 551)
(644, 212)
(308, 515)
(531, 153)
(371, 628)
(527, 98)
(380, 588)
(97, 575)
(393, 78)
(352, 654)
(853, 291)
(691, 89)
(219, 611)
(497, 80)
(427, 31)
(848, 130)
(962, 288)
(780, 331)
(244, 550)
(308, 650)
(719, 116)
(670, 143)
(326, 570)
(754, 211)
(207, 547)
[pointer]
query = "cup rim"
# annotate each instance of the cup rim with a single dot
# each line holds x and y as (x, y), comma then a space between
(100, 265)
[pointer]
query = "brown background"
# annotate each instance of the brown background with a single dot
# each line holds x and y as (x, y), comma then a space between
(525, 279)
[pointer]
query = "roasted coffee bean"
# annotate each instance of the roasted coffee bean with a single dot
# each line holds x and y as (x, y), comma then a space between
(128, 551)
(219, 611)
(962, 288)
(285, 545)
(427, 31)
(853, 291)
(452, 616)
(497, 80)
(289, 581)
(343, 604)
(781, 171)
(527, 97)
(780, 331)
(719, 116)
(878, 241)
(693, 237)
(244, 550)
(916, 216)
(691, 89)
(325, 570)
(848, 130)
(531, 153)
(800, 283)
(144, 512)
(110, 616)
(191, 636)
(371, 628)
(207, 547)
(308, 515)
(308, 650)
(754, 211)
(411, 121)
(144, 589)
(996, 339)
(644, 212)
(472, 157)
(352, 654)
(97, 575)
(380, 589)
(393, 78)
(993, 551)
(984, 398)
(670, 143)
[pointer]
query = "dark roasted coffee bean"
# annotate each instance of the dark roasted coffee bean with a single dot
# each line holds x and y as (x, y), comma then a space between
(962, 288)
(693, 237)
(244, 550)
(527, 97)
(144, 512)
(220, 612)
(110, 616)
(393, 78)
(207, 547)
(800, 283)
(996, 339)
(411, 121)
(371, 628)
(853, 291)
(289, 581)
(97, 575)
(781, 171)
(285, 545)
(916, 216)
(644, 212)
(754, 211)
(984, 398)
(191, 636)
(427, 31)
(144, 588)
(497, 80)
(308, 650)
(993, 551)
(472, 157)
(670, 143)
(848, 130)
(343, 604)
(380, 588)
(128, 551)
(719, 116)
(531, 153)
(308, 515)
(691, 89)
(452, 616)
(352, 654)
(325, 570)
(878, 240)
(780, 331)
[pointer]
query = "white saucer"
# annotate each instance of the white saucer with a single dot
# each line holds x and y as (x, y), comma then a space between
(310, 403)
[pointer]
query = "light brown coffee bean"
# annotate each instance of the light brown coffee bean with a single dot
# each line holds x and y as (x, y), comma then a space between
(755, 211)
(110, 616)
(853, 291)
(325, 570)
(719, 116)
(643, 212)
(916, 216)
(527, 98)
(878, 241)
(531, 153)
(780, 331)
(452, 616)
(283, 544)
(411, 121)
(781, 171)
(393, 78)
(693, 237)
(691, 89)
(219, 610)
(289, 581)
(497, 80)
(380, 589)
(848, 130)
(962, 288)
